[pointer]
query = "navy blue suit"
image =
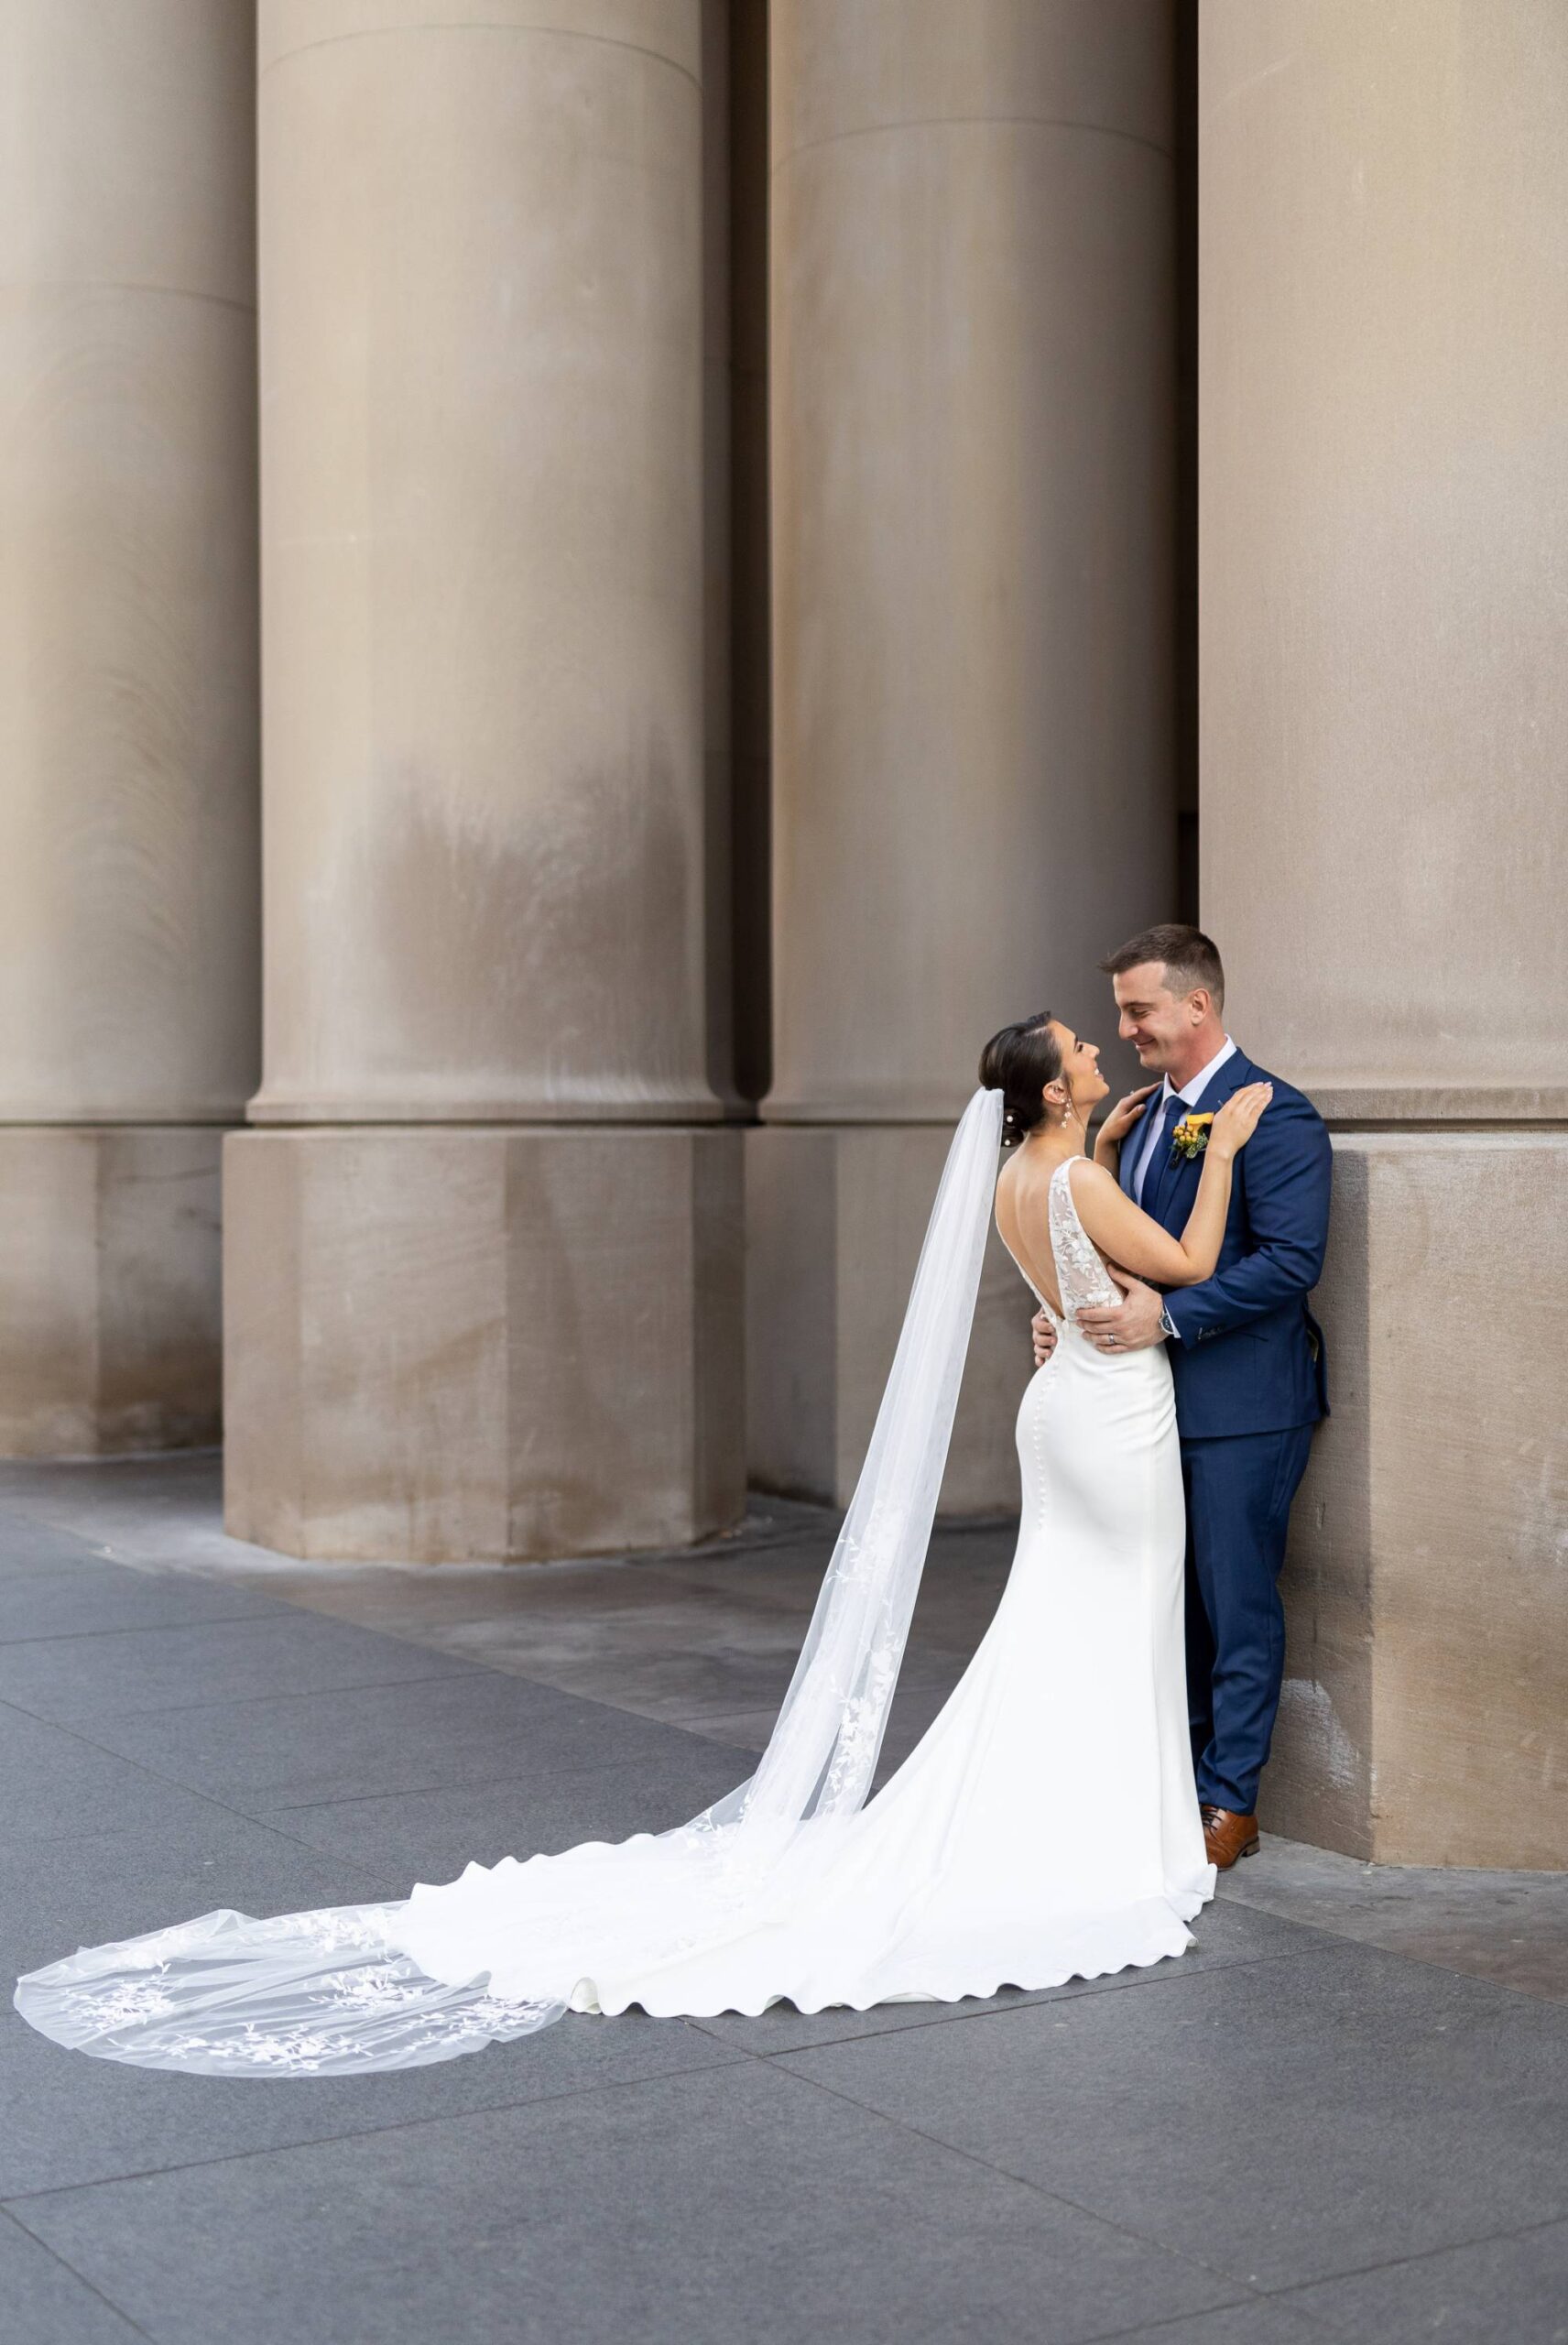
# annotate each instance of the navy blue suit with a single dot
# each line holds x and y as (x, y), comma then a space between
(1251, 1382)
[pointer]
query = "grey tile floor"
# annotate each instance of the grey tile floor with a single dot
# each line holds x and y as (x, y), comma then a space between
(1344, 2115)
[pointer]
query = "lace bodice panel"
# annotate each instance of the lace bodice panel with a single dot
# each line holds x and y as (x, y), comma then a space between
(1081, 1278)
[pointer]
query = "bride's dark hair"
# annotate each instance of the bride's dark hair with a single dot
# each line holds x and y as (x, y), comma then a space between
(1020, 1061)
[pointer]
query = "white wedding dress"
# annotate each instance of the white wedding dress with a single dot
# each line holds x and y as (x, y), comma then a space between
(1045, 1828)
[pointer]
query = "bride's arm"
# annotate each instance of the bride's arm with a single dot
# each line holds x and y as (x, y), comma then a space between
(1123, 1117)
(1125, 1234)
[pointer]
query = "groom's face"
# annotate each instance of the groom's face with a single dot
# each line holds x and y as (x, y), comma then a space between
(1156, 1022)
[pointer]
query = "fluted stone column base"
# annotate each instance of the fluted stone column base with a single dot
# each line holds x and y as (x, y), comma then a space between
(110, 1308)
(450, 1344)
(1425, 1718)
(834, 1219)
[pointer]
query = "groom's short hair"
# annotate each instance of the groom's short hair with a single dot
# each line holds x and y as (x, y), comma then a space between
(1189, 957)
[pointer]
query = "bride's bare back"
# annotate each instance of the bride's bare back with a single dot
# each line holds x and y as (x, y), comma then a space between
(1023, 1219)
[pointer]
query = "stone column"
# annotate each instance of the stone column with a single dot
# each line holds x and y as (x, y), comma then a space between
(749, 690)
(973, 433)
(128, 878)
(1384, 535)
(718, 587)
(482, 1257)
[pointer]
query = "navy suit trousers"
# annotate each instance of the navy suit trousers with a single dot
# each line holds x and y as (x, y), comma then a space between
(1239, 1491)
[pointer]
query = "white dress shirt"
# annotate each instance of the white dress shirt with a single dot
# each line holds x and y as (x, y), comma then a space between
(1190, 1095)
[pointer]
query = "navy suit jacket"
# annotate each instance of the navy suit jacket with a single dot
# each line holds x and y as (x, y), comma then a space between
(1250, 1354)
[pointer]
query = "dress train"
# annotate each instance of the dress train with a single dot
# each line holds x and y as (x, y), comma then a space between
(984, 1861)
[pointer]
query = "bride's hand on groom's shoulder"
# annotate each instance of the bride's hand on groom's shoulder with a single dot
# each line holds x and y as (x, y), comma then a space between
(1126, 1113)
(1238, 1119)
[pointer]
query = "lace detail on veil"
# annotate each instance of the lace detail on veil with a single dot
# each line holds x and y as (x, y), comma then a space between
(320, 1994)
(500, 1952)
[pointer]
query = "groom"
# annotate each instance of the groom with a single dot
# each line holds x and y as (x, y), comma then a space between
(1247, 1355)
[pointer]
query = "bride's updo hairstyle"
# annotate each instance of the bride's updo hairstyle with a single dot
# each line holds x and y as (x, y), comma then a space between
(1020, 1061)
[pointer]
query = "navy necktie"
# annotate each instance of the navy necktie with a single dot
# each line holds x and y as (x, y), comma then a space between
(1175, 1109)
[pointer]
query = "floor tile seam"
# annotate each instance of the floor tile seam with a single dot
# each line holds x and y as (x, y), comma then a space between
(19, 2200)
(35, 1565)
(22, 1513)
(332, 1857)
(1262, 2291)
(1516, 2003)
(693, 1722)
(73, 1734)
(1141, 2331)
(475, 1669)
(1111, 1984)
(1333, 1944)
(701, 1555)
(286, 1603)
(82, 1841)
(1379, 1946)
(136, 1628)
(587, 1766)
(1284, 2293)
(418, 1791)
(700, 1558)
(489, 1782)
(154, 1775)
(1292, 1922)
(250, 1701)
(242, 1581)
(687, 1723)
(677, 1645)
(1449, 1969)
(757, 1600)
(261, 1820)
(1249, 2294)
(690, 1722)
(363, 1884)
(97, 1549)
(80, 2278)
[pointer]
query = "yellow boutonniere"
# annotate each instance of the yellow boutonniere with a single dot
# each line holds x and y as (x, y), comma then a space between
(1191, 1136)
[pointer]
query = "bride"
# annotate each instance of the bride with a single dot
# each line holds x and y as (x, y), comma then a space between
(1045, 1828)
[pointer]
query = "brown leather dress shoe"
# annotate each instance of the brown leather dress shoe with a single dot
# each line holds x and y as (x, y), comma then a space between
(1227, 1836)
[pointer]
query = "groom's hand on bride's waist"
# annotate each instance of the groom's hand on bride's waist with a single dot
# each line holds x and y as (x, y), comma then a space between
(1044, 1337)
(1129, 1326)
